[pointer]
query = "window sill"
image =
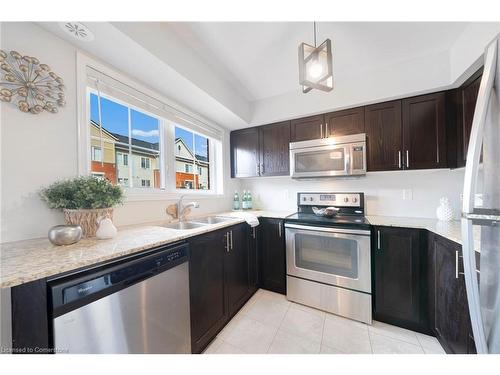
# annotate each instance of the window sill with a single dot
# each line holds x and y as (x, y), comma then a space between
(138, 195)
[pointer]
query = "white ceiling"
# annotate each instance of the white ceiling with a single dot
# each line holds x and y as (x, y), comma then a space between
(260, 58)
(226, 71)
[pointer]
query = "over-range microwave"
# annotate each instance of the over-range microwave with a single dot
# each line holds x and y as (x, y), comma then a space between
(329, 157)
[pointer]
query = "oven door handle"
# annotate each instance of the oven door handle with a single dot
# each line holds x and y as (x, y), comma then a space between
(328, 230)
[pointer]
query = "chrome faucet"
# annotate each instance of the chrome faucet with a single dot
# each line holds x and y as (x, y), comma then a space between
(181, 208)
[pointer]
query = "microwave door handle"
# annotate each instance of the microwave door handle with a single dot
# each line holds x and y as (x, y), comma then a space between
(348, 153)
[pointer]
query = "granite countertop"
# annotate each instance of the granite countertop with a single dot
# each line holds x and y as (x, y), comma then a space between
(451, 230)
(28, 260)
(24, 261)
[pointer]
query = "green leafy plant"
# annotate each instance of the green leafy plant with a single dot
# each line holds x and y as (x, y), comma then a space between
(82, 193)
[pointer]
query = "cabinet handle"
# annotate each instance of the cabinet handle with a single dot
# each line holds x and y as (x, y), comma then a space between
(262, 168)
(253, 232)
(257, 169)
(378, 240)
(399, 159)
(231, 234)
(407, 159)
(457, 273)
(326, 130)
(227, 242)
(321, 128)
(279, 229)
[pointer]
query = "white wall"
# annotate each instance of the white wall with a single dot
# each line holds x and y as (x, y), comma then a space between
(426, 74)
(37, 150)
(383, 191)
(465, 53)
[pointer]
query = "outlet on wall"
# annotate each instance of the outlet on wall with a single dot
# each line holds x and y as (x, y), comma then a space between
(286, 194)
(407, 194)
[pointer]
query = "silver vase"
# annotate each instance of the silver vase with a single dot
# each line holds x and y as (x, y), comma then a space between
(65, 234)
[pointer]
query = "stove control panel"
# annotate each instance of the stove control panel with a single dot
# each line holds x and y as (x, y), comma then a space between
(330, 199)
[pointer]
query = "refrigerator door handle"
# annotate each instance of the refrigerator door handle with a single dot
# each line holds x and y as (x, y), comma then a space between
(471, 174)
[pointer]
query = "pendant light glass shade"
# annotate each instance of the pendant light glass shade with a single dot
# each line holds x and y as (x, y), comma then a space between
(316, 67)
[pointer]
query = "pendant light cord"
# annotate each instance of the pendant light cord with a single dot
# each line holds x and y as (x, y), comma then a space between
(314, 24)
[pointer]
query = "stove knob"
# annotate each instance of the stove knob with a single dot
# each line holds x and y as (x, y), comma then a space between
(346, 199)
(304, 199)
(311, 199)
(354, 200)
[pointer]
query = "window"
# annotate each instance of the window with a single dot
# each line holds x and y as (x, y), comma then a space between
(192, 150)
(96, 154)
(145, 163)
(122, 159)
(142, 142)
(98, 175)
(123, 181)
(126, 134)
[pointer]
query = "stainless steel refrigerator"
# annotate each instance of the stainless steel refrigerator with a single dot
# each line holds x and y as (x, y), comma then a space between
(481, 209)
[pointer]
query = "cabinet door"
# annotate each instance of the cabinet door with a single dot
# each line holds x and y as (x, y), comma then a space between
(424, 131)
(346, 122)
(254, 254)
(245, 153)
(467, 104)
(273, 255)
(208, 304)
(237, 268)
(274, 149)
(451, 315)
(305, 129)
(399, 278)
(384, 136)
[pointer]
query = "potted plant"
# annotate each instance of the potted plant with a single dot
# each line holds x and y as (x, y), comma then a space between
(84, 201)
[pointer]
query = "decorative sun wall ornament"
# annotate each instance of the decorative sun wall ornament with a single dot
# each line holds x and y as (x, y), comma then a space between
(29, 84)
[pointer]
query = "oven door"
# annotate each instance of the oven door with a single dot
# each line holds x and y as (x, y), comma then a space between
(333, 256)
(320, 161)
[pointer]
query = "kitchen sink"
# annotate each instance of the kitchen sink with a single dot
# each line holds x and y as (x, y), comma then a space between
(212, 219)
(185, 225)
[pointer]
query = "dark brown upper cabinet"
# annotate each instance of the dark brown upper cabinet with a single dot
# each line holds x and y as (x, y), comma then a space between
(346, 122)
(308, 128)
(274, 142)
(462, 104)
(384, 134)
(245, 153)
(424, 131)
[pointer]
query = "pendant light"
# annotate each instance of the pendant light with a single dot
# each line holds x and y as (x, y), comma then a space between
(315, 65)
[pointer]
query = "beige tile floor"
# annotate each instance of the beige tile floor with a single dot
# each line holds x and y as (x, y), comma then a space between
(268, 323)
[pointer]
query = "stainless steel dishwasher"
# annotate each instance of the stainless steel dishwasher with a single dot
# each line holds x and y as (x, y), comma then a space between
(138, 306)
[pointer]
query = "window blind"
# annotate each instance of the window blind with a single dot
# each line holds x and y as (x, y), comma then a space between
(110, 86)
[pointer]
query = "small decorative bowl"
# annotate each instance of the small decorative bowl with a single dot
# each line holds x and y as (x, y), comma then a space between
(65, 234)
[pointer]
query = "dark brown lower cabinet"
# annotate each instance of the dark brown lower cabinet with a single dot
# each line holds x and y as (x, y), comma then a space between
(448, 298)
(237, 268)
(220, 281)
(208, 303)
(399, 295)
(254, 254)
(273, 264)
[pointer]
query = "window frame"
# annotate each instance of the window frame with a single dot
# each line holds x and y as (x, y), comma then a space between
(93, 149)
(168, 190)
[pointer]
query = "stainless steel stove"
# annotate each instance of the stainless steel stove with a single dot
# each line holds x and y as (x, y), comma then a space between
(328, 259)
